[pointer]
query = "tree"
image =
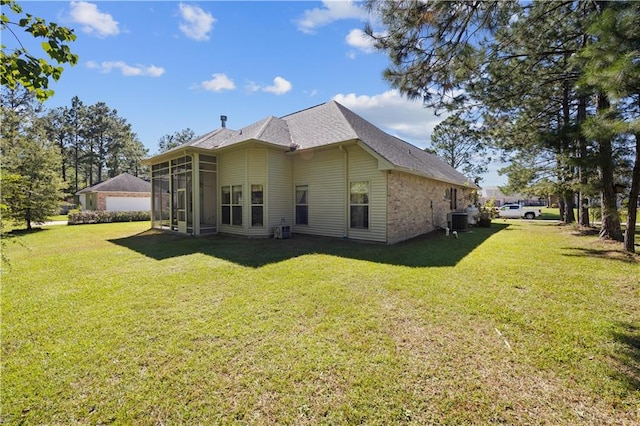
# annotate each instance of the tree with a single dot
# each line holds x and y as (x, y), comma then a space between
(57, 131)
(19, 66)
(432, 45)
(612, 68)
(30, 171)
(461, 146)
(75, 122)
(167, 142)
(126, 153)
(514, 64)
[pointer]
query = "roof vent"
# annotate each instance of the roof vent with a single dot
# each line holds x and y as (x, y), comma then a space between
(223, 120)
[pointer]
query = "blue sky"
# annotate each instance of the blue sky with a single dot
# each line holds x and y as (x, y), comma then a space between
(169, 65)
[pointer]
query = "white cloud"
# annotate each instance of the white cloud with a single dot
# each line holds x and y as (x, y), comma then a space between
(280, 86)
(252, 87)
(331, 11)
(196, 23)
(93, 21)
(406, 119)
(127, 70)
(361, 41)
(218, 83)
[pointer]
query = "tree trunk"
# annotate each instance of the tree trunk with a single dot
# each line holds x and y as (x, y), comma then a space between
(76, 164)
(27, 216)
(569, 206)
(610, 228)
(629, 233)
(583, 213)
(565, 149)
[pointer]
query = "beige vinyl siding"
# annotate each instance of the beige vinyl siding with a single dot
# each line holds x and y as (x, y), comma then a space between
(256, 175)
(323, 171)
(280, 192)
(232, 171)
(363, 167)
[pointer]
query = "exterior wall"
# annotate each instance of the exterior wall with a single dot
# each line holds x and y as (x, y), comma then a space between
(232, 171)
(245, 166)
(98, 200)
(417, 205)
(328, 174)
(363, 167)
(280, 203)
(82, 201)
(323, 171)
(256, 175)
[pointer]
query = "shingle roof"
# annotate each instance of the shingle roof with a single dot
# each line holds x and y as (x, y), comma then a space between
(121, 183)
(327, 124)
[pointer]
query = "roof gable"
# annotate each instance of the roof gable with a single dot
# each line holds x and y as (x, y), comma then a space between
(320, 125)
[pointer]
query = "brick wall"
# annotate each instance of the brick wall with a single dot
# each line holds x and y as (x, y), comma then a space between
(417, 205)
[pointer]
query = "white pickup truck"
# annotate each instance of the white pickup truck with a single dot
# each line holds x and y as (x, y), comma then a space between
(514, 211)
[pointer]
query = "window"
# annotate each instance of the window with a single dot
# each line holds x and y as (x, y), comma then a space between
(257, 205)
(231, 205)
(302, 205)
(226, 205)
(454, 199)
(359, 205)
(236, 205)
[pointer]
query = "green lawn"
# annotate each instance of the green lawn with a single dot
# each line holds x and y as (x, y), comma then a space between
(524, 322)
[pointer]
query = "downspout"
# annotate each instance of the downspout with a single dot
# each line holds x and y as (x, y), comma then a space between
(345, 234)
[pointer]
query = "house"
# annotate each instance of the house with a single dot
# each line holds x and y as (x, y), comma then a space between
(321, 171)
(499, 198)
(124, 192)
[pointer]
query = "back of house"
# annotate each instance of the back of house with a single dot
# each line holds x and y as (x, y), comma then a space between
(321, 171)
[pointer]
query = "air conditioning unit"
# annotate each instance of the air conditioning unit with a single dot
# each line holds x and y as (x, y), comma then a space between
(282, 232)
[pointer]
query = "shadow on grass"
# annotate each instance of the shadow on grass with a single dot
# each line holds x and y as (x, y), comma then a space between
(628, 358)
(24, 231)
(434, 249)
(610, 254)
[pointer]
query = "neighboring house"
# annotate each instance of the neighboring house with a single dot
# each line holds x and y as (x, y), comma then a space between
(494, 193)
(322, 171)
(124, 192)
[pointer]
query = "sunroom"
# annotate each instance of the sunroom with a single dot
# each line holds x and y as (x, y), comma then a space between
(183, 194)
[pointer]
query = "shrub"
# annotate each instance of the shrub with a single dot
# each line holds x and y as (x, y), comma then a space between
(485, 220)
(489, 210)
(96, 216)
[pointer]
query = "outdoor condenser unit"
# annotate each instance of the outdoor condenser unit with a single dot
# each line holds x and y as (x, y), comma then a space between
(457, 221)
(282, 232)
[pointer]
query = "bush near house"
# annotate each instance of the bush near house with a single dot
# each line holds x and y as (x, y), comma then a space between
(96, 216)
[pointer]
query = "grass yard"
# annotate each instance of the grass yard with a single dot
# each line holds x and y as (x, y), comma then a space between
(526, 322)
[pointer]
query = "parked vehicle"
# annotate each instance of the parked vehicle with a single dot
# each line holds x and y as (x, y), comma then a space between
(514, 211)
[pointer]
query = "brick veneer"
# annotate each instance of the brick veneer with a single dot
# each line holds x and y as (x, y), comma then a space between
(416, 205)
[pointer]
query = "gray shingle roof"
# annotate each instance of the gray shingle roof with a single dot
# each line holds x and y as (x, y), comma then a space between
(327, 124)
(121, 183)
